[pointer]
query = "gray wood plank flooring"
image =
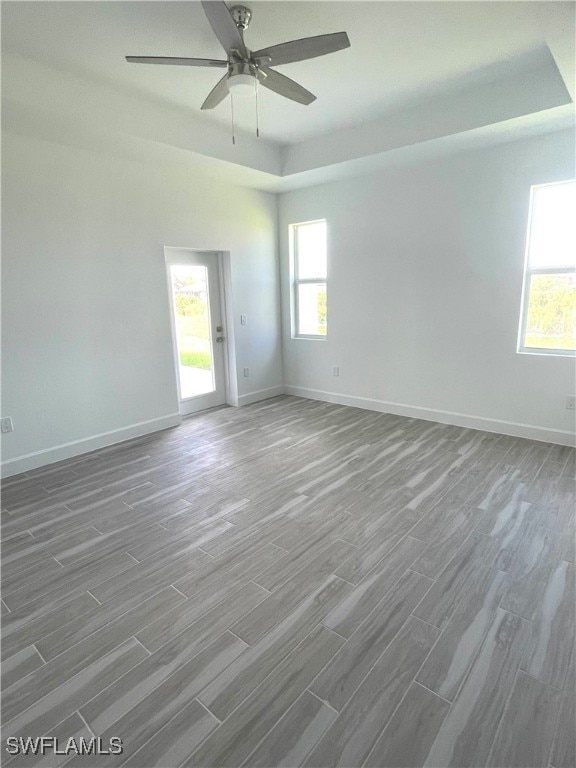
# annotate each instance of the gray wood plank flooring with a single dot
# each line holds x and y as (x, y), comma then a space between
(295, 583)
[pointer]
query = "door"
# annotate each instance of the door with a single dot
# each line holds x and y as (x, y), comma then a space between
(197, 326)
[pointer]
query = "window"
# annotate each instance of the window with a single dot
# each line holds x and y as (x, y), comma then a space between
(309, 268)
(548, 316)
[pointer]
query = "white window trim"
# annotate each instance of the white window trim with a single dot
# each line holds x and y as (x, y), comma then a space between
(522, 349)
(296, 281)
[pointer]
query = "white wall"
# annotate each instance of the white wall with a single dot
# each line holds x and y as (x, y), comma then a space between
(425, 279)
(86, 331)
(425, 282)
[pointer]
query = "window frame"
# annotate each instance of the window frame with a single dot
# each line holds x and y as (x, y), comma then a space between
(297, 281)
(527, 281)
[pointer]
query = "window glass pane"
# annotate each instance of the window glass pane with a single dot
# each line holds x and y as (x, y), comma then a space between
(312, 309)
(192, 321)
(553, 226)
(311, 250)
(551, 321)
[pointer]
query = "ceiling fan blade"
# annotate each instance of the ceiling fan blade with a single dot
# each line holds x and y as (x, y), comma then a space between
(306, 48)
(284, 86)
(217, 94)
(224, 26)
(177, 60)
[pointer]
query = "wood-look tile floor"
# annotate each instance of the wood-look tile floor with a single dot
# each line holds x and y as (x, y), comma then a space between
(295, 583)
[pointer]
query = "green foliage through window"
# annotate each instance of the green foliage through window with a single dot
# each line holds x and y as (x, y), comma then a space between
(322, 312)
(551, 321)
(196, 359)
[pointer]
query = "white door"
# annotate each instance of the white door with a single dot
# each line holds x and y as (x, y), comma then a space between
(197, 326)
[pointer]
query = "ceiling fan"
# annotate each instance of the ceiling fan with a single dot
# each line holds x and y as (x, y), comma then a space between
(246, 68)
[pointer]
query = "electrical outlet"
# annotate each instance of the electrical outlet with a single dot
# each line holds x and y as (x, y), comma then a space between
(336, 371)
(6, 424)
(243, 319)
(246, 372)
(570, 405)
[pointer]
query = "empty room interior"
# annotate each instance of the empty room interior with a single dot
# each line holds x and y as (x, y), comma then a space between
(288, 384)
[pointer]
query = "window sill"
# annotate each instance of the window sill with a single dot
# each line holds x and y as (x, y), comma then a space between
(546, 352)
(309, 338)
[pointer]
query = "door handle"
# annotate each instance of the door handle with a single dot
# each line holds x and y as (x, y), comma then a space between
(219, 339)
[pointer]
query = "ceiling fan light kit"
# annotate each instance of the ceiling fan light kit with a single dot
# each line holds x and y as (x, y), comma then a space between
(247, 69)
(242, 85)
(241, 79)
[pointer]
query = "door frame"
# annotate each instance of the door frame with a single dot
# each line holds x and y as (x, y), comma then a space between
(224, 289)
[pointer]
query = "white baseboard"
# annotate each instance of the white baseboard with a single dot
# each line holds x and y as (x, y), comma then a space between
(75, 448)
(260, 394)
(558, 436)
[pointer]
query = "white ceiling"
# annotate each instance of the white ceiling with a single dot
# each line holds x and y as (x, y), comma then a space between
(402, 54)
(399, 50)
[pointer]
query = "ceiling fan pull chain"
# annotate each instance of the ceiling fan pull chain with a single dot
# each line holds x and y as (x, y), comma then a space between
(257, 125)
(232, 111)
